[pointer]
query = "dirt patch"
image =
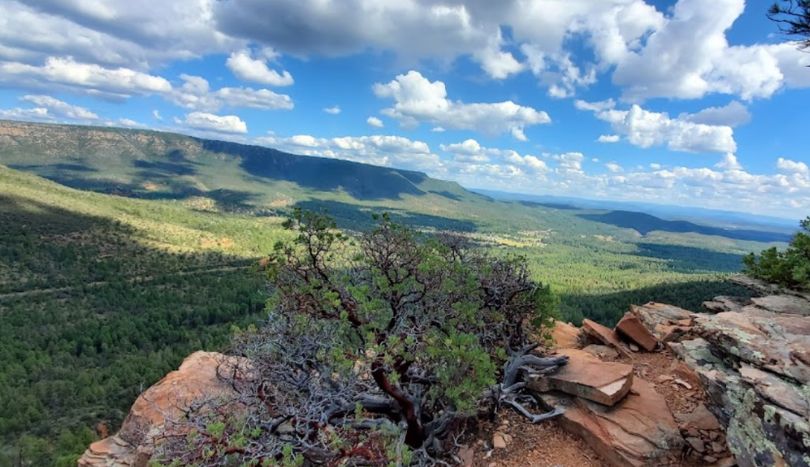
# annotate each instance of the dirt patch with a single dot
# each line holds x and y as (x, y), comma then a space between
(221, 242)
(151, 186)
(543, 444)
(660, 369)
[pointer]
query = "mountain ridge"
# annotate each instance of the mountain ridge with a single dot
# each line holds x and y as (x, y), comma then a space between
(139, 160)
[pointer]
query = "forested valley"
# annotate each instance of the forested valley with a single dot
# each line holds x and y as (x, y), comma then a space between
(103, 291)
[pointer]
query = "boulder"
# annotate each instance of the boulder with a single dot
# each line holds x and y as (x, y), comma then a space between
(588, 377)
(565, 335)
(666, 322)
(724, 303)
(196, 382)
(638, 431)
(632, 328)
(604, 335)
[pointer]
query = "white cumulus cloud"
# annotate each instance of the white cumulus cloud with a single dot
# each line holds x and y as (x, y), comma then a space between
(60, 108)
(608, 138)
(417, 99)
(94, 79)
(732, 114)
(248, 68)
(384, 150)
(215, 123)
(195, 93)
(645, 129)
(375, 122)
(792, 167)
(48, 108)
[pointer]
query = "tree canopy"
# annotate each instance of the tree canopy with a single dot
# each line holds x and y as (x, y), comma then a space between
(789, 268)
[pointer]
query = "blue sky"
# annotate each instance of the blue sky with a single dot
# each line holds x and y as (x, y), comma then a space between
(684, 102)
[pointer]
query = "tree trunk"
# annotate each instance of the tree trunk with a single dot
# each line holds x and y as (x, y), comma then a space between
(415, 435)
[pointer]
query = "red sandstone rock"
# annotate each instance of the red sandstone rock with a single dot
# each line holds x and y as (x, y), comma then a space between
(196, 381)
(565, 335)
(588, 377)
(604, 335)
(632, 328)
(699, 419)
(638, 431)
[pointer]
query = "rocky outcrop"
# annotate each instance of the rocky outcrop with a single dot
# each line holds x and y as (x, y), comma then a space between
(666, 322)
(754, 364)
(638, 431)
(194, 383)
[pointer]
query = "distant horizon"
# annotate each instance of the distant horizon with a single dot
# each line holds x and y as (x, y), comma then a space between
(463, 185)
(633, 201)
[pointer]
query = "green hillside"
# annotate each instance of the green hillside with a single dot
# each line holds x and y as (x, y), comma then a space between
(138, 247)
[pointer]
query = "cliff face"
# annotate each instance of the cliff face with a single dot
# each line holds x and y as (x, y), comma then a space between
(195, 382)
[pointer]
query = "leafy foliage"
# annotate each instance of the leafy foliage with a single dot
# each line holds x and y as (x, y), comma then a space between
(790, 268)
(406, 334)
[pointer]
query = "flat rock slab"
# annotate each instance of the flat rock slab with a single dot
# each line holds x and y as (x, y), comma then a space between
(777, 390)
(783, 304)
(588, 377)
(700, 419)
(604, 335)
(723, 303)
(775, 342)
(632, 328)
(638, 431)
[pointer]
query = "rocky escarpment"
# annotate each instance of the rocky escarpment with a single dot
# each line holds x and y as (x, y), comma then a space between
(195, 382)
(753, 360)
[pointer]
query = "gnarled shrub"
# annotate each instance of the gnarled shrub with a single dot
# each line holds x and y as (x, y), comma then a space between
(378, 349)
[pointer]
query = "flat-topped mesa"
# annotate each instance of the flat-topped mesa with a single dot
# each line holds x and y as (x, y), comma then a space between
(196, 381)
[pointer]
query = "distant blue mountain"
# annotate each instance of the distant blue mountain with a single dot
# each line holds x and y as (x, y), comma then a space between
(648, 217)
